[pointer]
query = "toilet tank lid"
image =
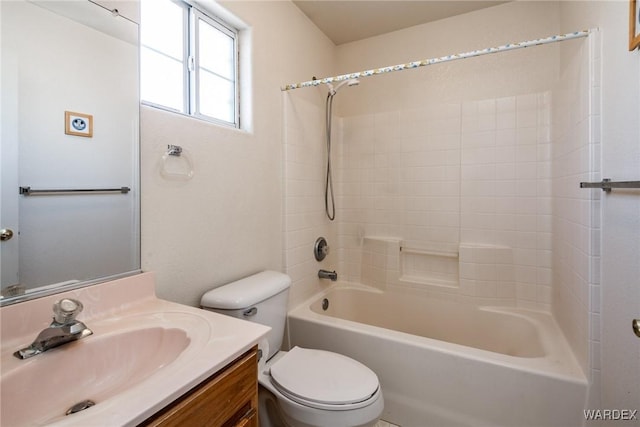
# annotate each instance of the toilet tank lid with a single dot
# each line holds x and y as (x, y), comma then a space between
(246, 292)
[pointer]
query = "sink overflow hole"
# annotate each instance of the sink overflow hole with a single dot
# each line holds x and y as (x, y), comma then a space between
(325, 304)
(80, 406)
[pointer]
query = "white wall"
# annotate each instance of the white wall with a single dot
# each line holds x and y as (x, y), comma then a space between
(226, 222)
(459, 80)
(614, 349)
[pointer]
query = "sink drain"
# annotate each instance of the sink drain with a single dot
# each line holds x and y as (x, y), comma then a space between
(80, 406)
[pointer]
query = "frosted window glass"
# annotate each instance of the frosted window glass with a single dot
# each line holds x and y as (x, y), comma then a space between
(161, 28)
(217, 97)
(188, 61)
(162, 80)
(216, 51)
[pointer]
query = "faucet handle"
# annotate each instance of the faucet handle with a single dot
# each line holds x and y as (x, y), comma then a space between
(66, 310)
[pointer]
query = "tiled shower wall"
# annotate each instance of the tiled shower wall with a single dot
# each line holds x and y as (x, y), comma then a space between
(304, 218)
(576, 219)
(487, 188)
(475, 174)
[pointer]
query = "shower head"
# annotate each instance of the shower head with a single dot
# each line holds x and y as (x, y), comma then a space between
(350, 82)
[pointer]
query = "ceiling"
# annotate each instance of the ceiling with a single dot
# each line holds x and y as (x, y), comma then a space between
(345, 21)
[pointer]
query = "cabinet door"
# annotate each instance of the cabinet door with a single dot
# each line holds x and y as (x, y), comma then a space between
(227, 399)
(249, 420)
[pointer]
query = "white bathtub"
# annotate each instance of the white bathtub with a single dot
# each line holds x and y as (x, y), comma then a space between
(443, 364)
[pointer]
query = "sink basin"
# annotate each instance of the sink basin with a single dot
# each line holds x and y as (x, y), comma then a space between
(144, 354)
(95, 368)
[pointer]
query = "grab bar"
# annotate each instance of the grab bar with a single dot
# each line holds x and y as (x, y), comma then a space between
(606, 184)
(28, 191)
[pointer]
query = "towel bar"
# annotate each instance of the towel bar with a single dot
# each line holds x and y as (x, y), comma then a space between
(606, 184)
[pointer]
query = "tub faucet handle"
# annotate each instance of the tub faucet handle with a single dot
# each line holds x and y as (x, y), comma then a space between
(321, 249)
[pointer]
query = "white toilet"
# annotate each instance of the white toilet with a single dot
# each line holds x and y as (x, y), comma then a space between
(301, 387)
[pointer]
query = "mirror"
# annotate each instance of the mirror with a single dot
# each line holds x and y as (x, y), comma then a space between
(70, 113)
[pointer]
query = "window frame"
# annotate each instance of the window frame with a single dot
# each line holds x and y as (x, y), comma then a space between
(190, 65)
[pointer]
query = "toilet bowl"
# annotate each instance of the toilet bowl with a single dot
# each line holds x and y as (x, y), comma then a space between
(322, 388)
(301, 387)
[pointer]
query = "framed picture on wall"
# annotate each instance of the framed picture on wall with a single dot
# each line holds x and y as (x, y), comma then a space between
(634, 24)
(78, 124)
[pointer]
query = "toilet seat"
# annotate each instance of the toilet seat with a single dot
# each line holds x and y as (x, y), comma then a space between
(324, 380)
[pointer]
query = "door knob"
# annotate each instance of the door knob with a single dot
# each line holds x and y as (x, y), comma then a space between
(636, 327)
(6, 234)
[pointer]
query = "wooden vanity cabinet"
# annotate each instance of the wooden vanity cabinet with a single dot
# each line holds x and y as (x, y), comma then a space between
(229, 398)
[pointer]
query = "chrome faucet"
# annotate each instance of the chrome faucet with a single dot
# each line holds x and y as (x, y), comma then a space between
(326, 274)
(64, 328)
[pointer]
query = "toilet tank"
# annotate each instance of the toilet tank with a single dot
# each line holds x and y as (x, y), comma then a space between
(260, 298)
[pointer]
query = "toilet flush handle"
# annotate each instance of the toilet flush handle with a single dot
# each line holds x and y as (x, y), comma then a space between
(250, 312)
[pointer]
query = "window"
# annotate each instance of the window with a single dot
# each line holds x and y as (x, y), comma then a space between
(188, 62)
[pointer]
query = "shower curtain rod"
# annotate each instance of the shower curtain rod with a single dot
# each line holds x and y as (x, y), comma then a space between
(432, 61)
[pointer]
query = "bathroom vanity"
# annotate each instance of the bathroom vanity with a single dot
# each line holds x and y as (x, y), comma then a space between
(228, 398)
(148, 362)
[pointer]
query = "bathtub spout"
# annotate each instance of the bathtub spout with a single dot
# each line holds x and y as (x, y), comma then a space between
(325, 274)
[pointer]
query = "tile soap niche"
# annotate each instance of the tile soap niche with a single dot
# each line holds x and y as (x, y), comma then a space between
(429, 266)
